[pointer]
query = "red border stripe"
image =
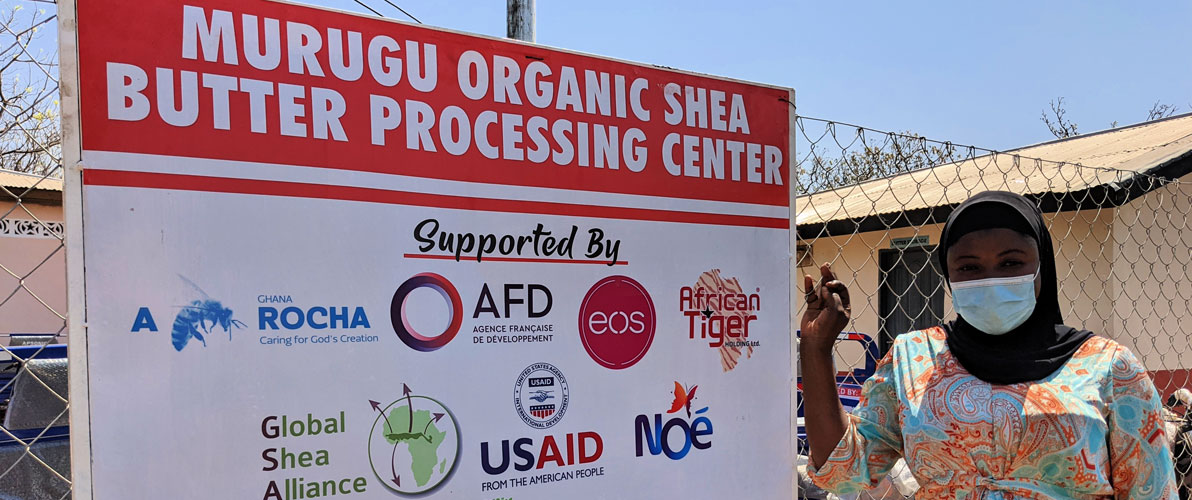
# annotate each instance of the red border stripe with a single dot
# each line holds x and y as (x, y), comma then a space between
(471, 258)
(151, 180)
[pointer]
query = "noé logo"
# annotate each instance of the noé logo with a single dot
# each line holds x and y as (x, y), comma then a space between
(676, 437)
(616, 322)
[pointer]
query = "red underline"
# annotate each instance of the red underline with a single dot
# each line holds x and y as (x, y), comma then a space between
(534, 260)
(181, 182)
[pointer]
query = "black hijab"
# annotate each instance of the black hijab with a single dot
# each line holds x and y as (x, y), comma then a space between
(1042, 344)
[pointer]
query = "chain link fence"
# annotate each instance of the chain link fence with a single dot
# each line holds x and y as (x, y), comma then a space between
(1117, 203)
(34, 431)
(871, 203)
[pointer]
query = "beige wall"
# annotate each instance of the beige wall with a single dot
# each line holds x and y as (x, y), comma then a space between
(1099, 288)
(1083, 259)
(854, 259)
(41, 261)
(1152, 277)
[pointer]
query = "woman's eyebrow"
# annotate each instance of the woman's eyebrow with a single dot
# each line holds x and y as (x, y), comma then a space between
(1012, 250)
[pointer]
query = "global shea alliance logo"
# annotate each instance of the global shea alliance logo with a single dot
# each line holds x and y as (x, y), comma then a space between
(414, 443)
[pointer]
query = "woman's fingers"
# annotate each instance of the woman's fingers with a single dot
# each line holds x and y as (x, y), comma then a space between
(826, 273)
(841, 291)
(828, 302)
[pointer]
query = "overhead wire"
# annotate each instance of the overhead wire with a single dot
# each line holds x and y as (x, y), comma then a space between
(391, 4)
(370, 9)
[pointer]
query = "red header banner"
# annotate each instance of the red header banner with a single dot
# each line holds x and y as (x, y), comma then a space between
(278, 83)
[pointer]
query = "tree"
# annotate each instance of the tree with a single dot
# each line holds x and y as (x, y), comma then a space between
(1159, 111)
(1063, 128)
(30, 130)
(1059, 126)
(894, 154)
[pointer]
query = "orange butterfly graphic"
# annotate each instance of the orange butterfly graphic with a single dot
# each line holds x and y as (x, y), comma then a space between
(683, 399)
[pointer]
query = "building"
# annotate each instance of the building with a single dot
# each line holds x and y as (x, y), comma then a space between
(1121, 228)
(32, 256)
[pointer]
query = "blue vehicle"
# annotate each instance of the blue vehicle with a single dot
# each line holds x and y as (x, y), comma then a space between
(848, 382)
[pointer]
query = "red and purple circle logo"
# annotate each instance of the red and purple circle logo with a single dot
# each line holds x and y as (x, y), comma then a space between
(616, 322)
(400, 316)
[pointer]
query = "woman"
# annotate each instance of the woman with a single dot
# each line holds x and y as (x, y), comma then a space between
(1005, 402)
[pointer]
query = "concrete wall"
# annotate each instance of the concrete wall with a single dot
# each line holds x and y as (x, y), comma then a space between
(41, 262)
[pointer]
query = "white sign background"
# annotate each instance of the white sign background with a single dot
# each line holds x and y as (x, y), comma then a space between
(164, 423)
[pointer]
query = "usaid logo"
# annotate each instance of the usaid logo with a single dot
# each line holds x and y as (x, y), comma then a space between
(540, 395)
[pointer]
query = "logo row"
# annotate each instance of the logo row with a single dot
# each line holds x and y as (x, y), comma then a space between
(617, 318)
(431, 434)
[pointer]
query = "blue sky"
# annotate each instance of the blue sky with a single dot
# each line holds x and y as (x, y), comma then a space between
(969, 72)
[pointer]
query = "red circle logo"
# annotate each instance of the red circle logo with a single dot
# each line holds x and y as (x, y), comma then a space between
(616, 322)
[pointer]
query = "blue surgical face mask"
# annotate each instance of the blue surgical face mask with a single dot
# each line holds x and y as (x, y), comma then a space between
(995, 305)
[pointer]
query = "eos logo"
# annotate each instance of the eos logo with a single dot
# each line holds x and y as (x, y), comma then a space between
(662, 437)
(401, 320)
(616, 322)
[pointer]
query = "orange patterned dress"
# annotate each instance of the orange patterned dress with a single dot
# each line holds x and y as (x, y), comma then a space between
(1091, 430)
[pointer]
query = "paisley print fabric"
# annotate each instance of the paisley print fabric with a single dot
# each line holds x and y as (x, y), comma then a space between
(1091, 430)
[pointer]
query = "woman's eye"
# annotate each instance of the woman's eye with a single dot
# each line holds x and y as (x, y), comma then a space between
(1012, 263)
(967, 268)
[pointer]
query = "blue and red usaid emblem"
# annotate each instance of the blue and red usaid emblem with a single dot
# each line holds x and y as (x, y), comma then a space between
(540, 395)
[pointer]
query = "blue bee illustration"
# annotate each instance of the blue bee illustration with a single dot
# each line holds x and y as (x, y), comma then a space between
(194, 317)
(541, 395)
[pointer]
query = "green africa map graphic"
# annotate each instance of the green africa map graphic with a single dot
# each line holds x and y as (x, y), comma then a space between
(414, 443)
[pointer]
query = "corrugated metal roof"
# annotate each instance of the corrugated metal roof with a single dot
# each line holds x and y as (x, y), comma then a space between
(18, 182)
(1071, 164)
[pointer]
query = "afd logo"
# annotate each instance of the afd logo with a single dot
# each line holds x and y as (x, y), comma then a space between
(511, 301)
(676, 436)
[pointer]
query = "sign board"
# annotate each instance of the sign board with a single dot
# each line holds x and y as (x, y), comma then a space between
(334, 255)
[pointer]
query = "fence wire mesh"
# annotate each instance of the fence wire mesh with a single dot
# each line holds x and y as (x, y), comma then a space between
(1117, 203)
(872, 203)
(34, 444)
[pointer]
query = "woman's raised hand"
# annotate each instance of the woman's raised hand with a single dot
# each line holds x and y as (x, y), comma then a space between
(828, 310)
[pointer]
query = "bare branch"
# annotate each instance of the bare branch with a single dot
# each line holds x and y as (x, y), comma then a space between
(30, 132)
(1159, 111)
(1059, 126)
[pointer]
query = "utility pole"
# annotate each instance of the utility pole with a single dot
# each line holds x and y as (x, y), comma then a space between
(521, 20)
